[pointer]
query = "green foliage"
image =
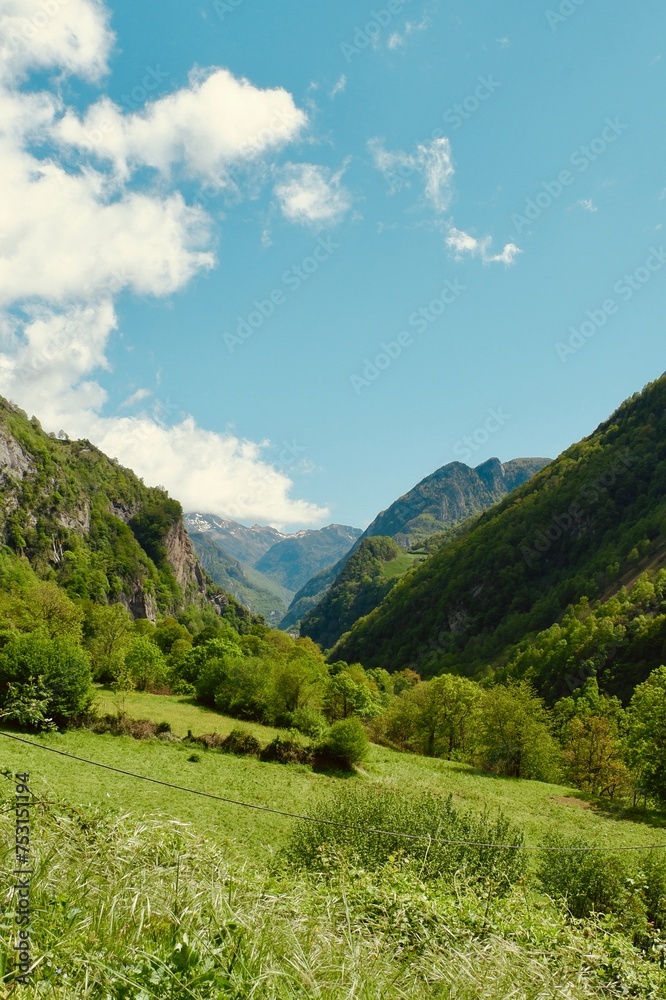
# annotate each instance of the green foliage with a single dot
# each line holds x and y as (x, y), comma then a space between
(56, 666)
(360, 810)
(516, 738)
(145, 664)
(26, 705)
(359, 587)
(646, 735)
(345, 744)
(597, 881)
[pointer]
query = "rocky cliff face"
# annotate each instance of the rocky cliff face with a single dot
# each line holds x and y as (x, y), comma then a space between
(183, 561)
(70, 510)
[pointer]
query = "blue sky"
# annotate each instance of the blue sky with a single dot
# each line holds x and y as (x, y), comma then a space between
(445, 238)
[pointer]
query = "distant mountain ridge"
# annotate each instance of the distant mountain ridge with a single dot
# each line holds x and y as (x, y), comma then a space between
(436, 504)
(261, 566)
(582, 528)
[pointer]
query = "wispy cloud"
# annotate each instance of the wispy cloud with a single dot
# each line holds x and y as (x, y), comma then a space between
(399, 38)
(588, 205)
(339, 86)
(431, 163)
(461, 243)
(136, 397)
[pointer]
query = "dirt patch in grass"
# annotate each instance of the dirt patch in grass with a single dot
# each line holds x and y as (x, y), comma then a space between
(569, 800)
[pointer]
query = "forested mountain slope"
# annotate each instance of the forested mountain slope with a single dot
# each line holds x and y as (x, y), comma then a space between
(439, 502)
(581, 527)
(93, 527)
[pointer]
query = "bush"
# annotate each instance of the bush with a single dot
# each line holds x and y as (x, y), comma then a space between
(345, 745)
(281, 751)
(63, 670)
(309, 721)
(589, 881)
(242, 743)
(360, 810)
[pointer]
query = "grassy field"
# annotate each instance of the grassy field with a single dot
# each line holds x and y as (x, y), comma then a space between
(143, 892)
(540, 809)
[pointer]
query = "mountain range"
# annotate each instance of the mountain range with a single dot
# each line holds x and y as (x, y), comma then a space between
(261, 566)
(582, 529)
(434, 506)
(81, 520)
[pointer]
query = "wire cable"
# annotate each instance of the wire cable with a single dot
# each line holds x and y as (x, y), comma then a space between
(326, 822)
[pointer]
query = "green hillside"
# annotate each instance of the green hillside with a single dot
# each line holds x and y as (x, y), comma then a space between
(367, 576)
(256, 591)
(587, 523)
(82, 521)
(437, 504)
(146, 891)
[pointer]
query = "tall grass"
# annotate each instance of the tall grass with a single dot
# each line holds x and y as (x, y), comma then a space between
(140, 910)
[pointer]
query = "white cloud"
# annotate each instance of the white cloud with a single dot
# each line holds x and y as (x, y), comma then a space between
(588, 205)
(71, 35)
(75, 230)
(397, 39)
(432, 162)
(136, 397)
(312, 194)
(462, 243)
(340, 86)
(206, 127)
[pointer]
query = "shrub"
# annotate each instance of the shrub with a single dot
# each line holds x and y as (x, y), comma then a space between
(309, 721)
(589, 881)
(345, 744)
(282, 751)
(242, 743)
(64, 669)
(211, 741)
(360, 810)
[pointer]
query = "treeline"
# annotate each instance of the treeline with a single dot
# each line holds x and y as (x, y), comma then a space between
(53, 647)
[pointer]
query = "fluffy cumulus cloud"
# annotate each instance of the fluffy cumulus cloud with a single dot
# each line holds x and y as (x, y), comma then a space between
(204, 128)
(431, 164)
(77, 227)
(462, 244)
(70, 35)
(310, 194)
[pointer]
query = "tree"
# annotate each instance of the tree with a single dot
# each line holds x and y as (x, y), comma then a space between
(516, 740)
(346, 744)
(646, 735)
(349, 693)
(592, 756)
(448, 718)
(145, 664)
(110, 632)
